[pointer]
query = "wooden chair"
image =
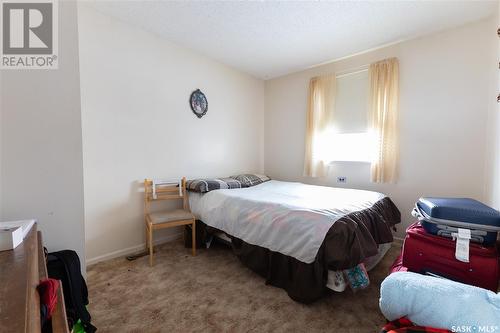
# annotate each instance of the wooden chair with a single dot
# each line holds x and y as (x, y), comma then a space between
(170, 218)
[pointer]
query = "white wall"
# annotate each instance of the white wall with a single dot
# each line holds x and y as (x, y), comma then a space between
(1, 145)
(444, 103)
(493, 167)
(137, 123)
(41, 147)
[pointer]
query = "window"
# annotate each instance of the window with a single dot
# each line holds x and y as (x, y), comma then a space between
(343, 132)
(349, 138)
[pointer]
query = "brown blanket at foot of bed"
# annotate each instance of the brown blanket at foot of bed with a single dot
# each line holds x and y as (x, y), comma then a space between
(350, 240)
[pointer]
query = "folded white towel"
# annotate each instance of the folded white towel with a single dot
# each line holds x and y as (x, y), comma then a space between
(159, 182)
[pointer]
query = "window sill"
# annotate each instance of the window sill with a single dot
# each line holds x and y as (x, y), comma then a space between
(343, 161)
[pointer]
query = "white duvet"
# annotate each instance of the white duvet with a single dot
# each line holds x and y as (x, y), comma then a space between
(285, 217)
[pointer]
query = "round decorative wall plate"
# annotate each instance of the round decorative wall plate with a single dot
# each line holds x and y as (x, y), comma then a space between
(199, 103)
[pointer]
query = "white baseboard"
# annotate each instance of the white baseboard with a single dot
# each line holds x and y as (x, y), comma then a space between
(398, 240)
(166, 239)
(132, 249)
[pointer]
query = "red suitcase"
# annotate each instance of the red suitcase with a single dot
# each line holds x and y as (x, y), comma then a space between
(434, 255)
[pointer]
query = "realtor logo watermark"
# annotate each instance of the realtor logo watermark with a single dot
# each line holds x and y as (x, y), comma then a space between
(475, 329)
(29, 34)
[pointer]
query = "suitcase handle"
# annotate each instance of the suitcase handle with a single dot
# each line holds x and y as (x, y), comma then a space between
(417, 212)
(423, 216)
(449, 234)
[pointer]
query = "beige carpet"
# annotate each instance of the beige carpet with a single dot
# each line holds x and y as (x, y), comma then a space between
(214, 292)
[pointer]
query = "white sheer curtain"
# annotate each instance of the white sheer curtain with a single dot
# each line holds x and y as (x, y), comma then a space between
(320, 114)
(383, 119)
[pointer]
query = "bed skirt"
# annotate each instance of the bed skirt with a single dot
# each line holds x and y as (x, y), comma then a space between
(351, 239)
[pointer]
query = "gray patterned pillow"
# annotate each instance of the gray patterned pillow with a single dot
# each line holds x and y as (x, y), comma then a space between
(210, 184)
(250, 179)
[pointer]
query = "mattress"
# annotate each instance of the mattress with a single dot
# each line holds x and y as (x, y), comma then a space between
(285, 217)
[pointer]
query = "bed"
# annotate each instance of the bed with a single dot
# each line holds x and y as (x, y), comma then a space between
(295, 234)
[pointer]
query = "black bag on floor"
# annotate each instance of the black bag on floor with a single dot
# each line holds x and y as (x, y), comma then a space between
(201, 235)
(65, 266)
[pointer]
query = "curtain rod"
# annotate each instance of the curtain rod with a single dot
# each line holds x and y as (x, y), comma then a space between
(352, 71)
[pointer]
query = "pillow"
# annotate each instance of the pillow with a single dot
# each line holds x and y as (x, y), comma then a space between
(210, 184)
(249, 179)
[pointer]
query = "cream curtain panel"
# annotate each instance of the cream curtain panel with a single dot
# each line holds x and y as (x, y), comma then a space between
(320, 112)
(383, 119)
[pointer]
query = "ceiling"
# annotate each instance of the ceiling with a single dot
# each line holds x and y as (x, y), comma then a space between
(272, 38)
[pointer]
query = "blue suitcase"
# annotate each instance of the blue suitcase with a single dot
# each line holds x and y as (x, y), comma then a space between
(443, 217)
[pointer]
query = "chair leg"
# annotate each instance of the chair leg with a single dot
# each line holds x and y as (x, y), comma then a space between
(150, 241)
(146, 231)
(194, 237)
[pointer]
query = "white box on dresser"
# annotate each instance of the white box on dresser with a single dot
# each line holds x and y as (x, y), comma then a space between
(12, 233)
(10, 237)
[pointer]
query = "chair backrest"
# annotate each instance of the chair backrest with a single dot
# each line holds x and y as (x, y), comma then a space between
(158, 190)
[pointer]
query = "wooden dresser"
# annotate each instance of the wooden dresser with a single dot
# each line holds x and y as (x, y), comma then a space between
(20, 271)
